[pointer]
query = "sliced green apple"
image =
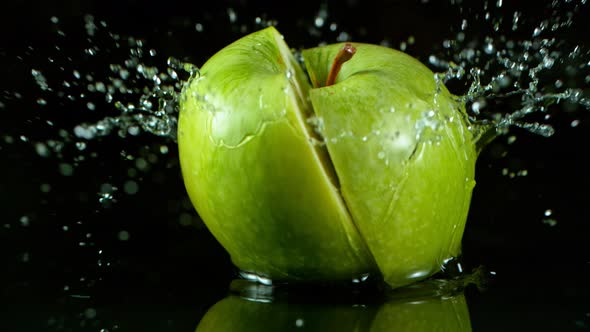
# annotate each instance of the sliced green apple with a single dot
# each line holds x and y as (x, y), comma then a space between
(380, 183)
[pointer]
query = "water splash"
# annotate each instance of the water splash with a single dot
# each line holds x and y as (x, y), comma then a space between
(141, 94)
(507, 78)
(515, 72)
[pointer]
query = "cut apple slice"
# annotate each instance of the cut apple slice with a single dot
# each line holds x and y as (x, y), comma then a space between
(254, 172)
(403, 155)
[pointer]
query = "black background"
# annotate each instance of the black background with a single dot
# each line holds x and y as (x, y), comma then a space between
(167, 275)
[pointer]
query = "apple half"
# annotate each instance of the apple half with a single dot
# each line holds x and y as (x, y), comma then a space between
(326, 174)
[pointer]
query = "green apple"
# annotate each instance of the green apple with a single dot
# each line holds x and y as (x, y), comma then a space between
(347, 168)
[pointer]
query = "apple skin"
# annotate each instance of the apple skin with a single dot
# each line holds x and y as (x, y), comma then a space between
(388, 192)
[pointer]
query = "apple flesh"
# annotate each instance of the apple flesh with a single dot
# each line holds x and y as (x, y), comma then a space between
(303, 180)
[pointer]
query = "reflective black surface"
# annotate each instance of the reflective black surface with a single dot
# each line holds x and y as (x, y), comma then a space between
(148, 264)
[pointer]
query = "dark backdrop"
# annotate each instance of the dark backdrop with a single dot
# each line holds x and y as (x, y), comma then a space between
(170, 270)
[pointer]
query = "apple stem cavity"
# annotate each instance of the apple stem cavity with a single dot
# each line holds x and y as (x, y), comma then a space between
(343, 55)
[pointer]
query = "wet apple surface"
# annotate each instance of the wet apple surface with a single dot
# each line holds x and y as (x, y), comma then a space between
(367, 167)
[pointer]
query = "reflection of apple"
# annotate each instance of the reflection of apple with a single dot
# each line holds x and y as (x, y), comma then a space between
(427, 314)
(368, 169)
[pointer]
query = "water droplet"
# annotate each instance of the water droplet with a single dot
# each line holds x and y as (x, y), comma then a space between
(558, 83)
(299, 322)
(45, 187)
(141, 164)
(80, 146)
(42, 149)
(319, 22)
(231, 13)
(255, 278)
(131, 187)
(90, 313)
(123, 73)
(89, 25)
(100, 87)
(66, 169)
(40, 80)
(489, 48)
(133, 130)
(123, 235)
(464, 24)
(84, 132)
(478, 105)
(24, 221)
(343, 36)
(106, 198)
